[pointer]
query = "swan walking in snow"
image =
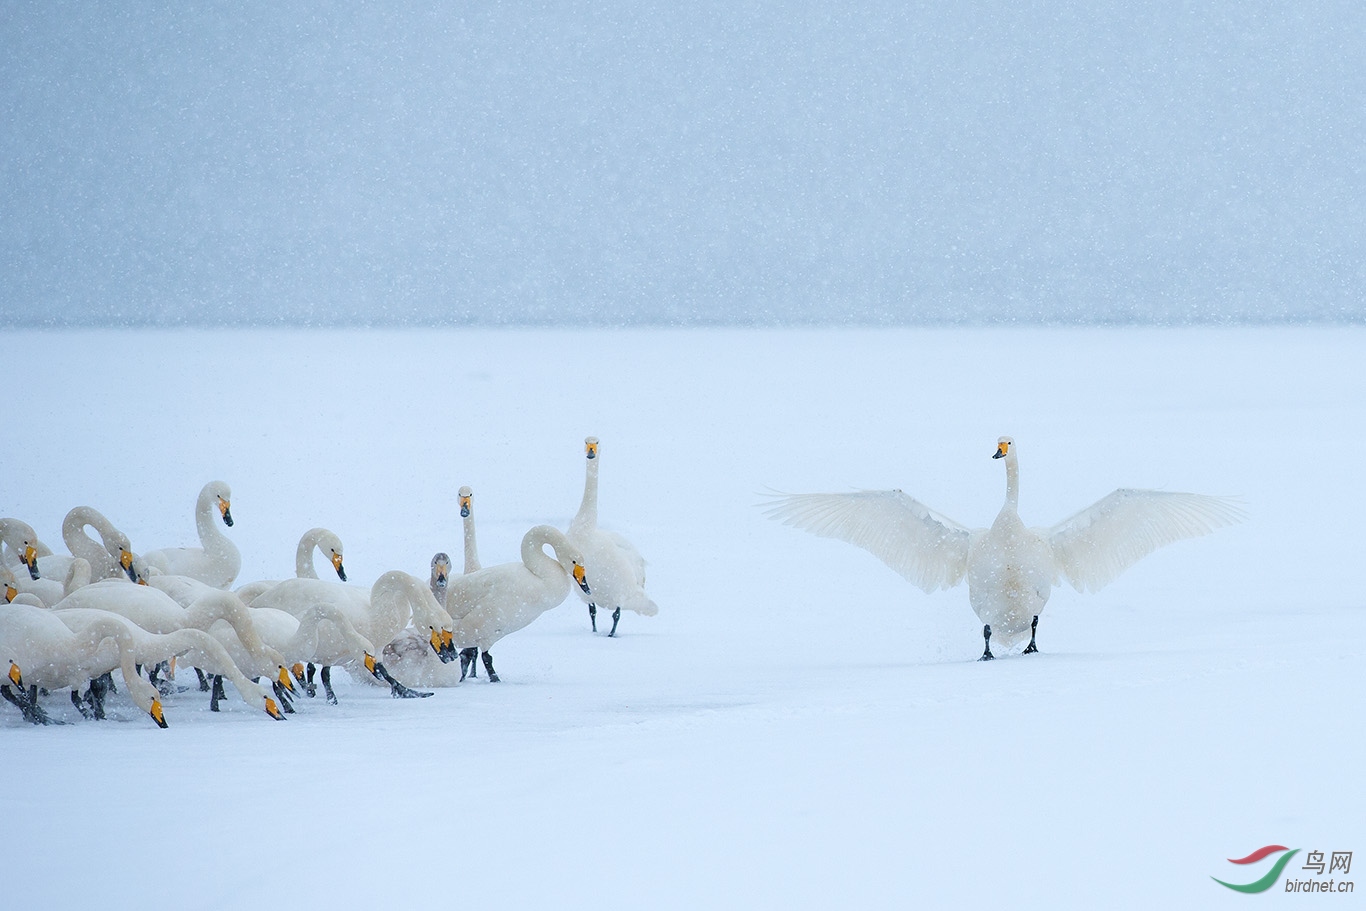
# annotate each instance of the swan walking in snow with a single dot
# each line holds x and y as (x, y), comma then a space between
(216, 561)
(1010, 569)
(496, 601)
(616, 567)
(38, 650)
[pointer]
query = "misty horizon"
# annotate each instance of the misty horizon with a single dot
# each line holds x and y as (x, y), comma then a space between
(753, 165)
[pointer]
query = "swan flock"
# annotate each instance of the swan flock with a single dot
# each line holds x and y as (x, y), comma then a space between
(69, 622)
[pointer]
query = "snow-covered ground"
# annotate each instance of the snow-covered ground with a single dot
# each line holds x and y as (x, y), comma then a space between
(798, 727)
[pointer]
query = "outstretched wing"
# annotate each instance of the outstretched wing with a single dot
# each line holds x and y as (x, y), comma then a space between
(929, 550)
(1100, 542)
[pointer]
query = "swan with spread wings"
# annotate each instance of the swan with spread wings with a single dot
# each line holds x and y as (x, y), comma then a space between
(1010, 569)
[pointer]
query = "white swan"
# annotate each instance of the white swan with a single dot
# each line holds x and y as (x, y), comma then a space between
(1010, 569)
(498, 600)
(108, 560)
(616, 567)
(378, 616)
(319, 539)
(194, 645)
(38, 650)
(217, 561)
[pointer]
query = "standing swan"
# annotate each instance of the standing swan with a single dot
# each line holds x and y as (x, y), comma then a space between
(617, 568)
(498, 600)
(1010, 568)
(217, 561)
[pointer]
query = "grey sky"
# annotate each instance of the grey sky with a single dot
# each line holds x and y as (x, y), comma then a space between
(603, 163)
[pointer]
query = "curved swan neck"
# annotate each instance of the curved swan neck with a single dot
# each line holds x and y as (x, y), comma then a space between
(226, 606)
(303, 556)
(103, 557)
(404, 594)
(206, 519)
(534, 555)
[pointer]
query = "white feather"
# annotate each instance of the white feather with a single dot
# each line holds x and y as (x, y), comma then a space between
(1097, 544)
(928, 549)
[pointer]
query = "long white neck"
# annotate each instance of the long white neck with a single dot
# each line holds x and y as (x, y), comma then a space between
(537, 560)
(471, 546)
(102, 563)
(587, 516)
(305, 639)
(78, 575)
(1012, 482)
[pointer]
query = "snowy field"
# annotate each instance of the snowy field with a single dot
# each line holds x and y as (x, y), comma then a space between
(798, 727)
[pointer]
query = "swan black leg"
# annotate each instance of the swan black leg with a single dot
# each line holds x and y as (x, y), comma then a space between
(21, 700)
(311, 669)
(327, 684)
(488, 666)
(203, 681)
(167, 686)
(616, 616)
(99, 688)
(217, 693)
(593, 615)
(1032, 648)
(986, 634)
(469, 657)
(79, 702)
(36, 713)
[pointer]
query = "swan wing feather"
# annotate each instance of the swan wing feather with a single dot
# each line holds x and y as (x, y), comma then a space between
(1097, 544)
(928, 549)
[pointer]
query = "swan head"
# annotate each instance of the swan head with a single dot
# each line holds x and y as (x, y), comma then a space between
(138, 570)
(1005, 446)
(590, 447)
(443, 643)
(9, 589)
(126, 563)
(466, 502)
(336, 557)
(225, 509)
(146, 697)
(30, 557)
(441, 570)
(271, 708)
(580, 576)
(15, 675)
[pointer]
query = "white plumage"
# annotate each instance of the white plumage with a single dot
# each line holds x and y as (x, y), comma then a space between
(1010, 568)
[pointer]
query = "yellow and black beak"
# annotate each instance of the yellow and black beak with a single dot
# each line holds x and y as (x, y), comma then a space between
(15, 675)
(273, 710)
(591, 449)
(126, 561)
(371, 664)
(155, 712)
(1002, 448)
(30, 557)
(435, 640)
(337, 565)
(10, 592)
(464, 507)
(581, 577)
(225, 508)
(285, 682)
